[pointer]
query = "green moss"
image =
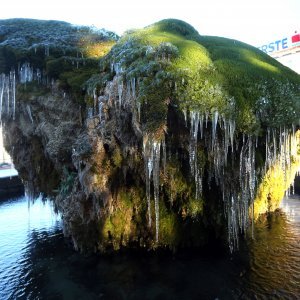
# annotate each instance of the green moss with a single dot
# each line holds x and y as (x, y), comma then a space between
(126, 221)
(174, 64)
(75, 79)
(178, 188)
(117, 157)
(275, 182)
(169, 229)
(118, 225)
(194, 208)
(175, 26)
(31, 90)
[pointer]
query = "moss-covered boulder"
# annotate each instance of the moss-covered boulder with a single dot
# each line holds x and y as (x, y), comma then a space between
(168, 130)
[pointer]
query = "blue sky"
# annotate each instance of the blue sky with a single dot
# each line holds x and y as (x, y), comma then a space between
(255, 22)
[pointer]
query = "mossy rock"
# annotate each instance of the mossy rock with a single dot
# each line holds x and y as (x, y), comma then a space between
(58, 49)
(174, 64)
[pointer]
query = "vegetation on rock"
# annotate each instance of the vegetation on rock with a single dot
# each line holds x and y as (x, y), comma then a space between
(58, 49)
(172, 62)
(167, 129)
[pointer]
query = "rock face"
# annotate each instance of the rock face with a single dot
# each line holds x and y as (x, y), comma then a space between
(174, 141)
(40, 139)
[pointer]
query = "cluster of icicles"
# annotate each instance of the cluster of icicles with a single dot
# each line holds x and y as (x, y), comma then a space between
(8, 85)
(126, 96)
(8, 95)
(151, 153)
(218, 137)
(280, 146)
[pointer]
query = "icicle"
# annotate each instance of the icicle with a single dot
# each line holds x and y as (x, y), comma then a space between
(231, 132)
(8, 97)
(206, 119)
(117, 68)
(1, 94)
(232, 225)
(274, 144)
(14, 94)
(196, 121)
(38, 75)
(164, 155)
(193, 140)
(293, 129)
(132, 81)
(47, 52)
(128, 93)
(29, 113)
(120, 92)
(225, 139)
(100, 110)
(185, 115)
(26, 73)
(148, 160)
(214, 126)
(95, 101)
(156, 160)
(139, 111)
(90, 112)
(201, 121)
(148, 156)
(151, 153)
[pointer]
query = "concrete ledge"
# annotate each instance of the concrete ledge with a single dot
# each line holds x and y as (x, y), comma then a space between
(10, 184)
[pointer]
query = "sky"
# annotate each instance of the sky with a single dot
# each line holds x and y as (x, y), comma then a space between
(255, 22)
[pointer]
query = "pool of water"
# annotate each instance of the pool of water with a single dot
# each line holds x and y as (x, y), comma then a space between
(36, 262)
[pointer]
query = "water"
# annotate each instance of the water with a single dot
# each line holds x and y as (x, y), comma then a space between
(36, 262)
(22, 229)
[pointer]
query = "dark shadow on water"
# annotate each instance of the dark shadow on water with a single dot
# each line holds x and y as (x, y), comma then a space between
(54, 271)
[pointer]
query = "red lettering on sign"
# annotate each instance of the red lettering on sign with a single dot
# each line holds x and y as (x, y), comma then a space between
(296, 38)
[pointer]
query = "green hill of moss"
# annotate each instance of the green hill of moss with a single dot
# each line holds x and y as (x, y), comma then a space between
(173, 62)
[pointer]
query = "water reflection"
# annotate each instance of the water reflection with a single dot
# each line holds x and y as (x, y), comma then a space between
(21, 227)
(291, 208)
(36, 263)
(275, 254)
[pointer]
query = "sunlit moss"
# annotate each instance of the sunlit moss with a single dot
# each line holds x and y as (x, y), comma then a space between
(194, 208)
(204, 74)
(98, 50)
(275, 183)
(263, 65)
(117, 227)
(273, 187)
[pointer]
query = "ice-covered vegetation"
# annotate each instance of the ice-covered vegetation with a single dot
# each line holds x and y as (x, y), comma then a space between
(170, 61)
(230, 94)
(54, 49)
(197, 125)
